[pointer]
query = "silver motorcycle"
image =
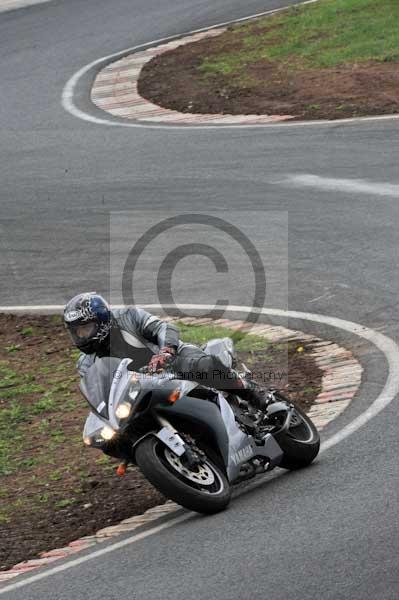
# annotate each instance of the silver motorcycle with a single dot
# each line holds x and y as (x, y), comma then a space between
(193, 442)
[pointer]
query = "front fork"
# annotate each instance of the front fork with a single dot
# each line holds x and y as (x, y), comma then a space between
(190, 455)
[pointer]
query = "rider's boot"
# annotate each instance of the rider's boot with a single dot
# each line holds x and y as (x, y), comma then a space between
(251, 392)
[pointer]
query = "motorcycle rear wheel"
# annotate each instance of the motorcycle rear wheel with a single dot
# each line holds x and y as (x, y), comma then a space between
(205, 490)
(300, 443)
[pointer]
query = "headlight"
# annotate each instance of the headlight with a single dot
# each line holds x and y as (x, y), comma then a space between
(87, 440)
(123, 410)
(133, 394)
(107, 433)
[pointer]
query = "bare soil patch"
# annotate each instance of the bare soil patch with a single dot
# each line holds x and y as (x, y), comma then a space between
(173, 80)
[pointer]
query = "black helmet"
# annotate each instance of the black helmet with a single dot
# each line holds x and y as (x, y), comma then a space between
(88, 319)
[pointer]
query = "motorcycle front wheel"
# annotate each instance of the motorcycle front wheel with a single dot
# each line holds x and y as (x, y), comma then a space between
(204, 489)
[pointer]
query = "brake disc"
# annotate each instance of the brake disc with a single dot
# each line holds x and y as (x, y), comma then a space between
(204, 475)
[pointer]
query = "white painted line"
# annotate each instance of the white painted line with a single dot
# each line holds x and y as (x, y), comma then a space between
(351, 186)
(6, 5)
(391, 388)
(34, 308)
(78, 561)
(68, 93)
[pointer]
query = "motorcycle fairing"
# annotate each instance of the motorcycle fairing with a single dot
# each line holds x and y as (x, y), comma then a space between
(119, 389)
(105, 384)
(93, 426)
(204, 414)
(96, 384)
(242, 447)
(223, 348)
(235, 446)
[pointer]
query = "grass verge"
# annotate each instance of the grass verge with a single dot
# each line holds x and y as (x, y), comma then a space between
(330, 59)
(325, 34)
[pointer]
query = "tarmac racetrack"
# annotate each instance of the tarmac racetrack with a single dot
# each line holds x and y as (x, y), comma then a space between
(330, 531)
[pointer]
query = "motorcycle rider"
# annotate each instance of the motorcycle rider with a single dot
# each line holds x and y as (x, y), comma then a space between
(97, 331)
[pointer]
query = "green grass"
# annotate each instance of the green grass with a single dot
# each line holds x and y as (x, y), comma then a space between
(22, 399)
(74, 353)
(199, 334)
(27, 331)
(8, 377)
(28, 463)
(12, 415)
(55, 475)
(22, 389)
(45, 404)
(65, 502)
(11, 435)
(13, 348)
(4, 516)
(325, 34)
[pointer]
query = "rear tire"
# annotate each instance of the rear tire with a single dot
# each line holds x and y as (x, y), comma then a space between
(161, 467)
(300, 443)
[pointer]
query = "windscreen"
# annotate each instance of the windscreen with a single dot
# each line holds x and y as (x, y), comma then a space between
(96, 384)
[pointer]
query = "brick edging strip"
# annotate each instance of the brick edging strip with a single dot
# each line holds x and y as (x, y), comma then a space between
(340, 382)
(115, 91)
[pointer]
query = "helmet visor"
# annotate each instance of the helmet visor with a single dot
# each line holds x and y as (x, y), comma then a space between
(82, 332)
(86, 330)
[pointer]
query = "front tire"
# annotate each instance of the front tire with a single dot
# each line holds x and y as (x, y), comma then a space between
(205, 491)
(300, 443)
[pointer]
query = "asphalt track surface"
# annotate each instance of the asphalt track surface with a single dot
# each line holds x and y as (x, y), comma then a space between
(331, 531)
